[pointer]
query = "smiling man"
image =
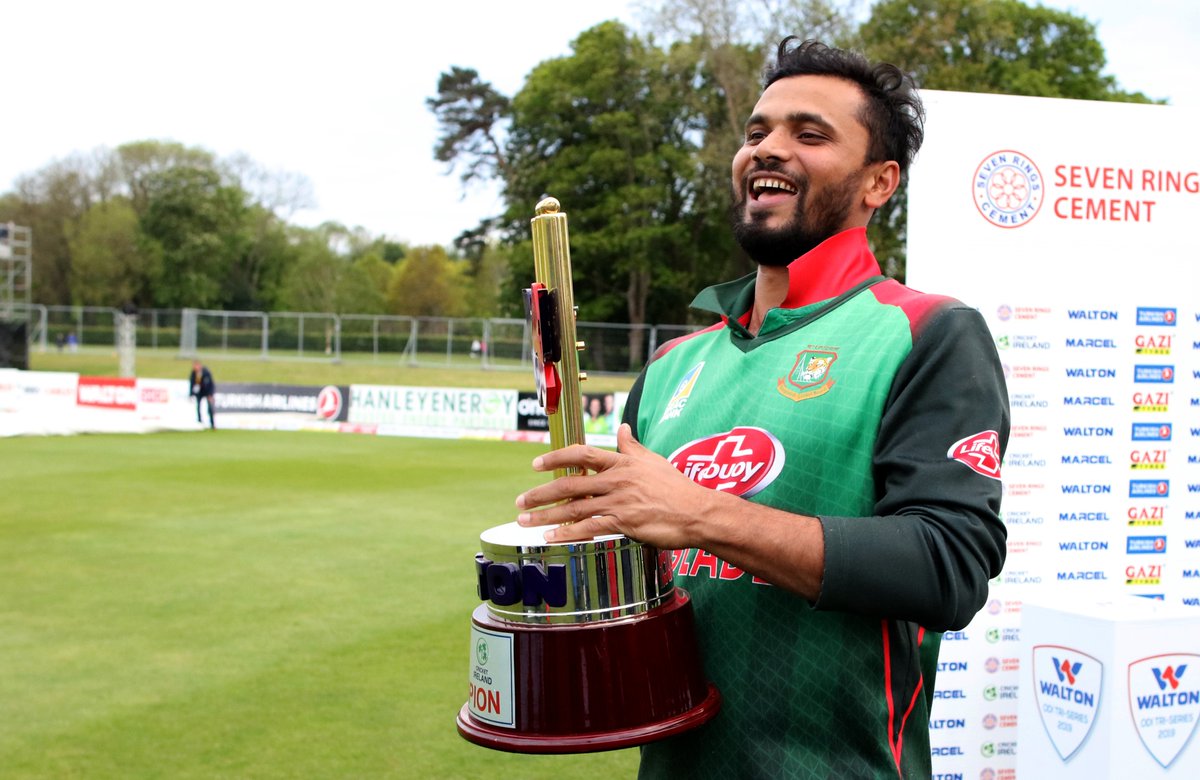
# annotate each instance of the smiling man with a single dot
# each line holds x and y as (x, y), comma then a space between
(825, 460)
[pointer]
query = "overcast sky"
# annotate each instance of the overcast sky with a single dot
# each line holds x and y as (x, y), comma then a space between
(336, 91)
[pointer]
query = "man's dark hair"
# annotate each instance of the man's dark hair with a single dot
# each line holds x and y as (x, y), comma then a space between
(892, 112)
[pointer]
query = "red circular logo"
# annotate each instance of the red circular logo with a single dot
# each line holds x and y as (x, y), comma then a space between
(742, 462)
(329, 403)
(1008, 189)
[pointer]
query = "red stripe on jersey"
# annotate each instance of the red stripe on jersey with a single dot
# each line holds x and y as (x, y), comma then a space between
(917, 306)
(675, 342)
(896, 738)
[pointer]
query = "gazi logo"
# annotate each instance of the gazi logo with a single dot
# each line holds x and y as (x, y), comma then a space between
(1164, 701)
(742, 462)
(1066, 687)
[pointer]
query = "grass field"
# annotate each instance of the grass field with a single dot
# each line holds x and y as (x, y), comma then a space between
(228, 604)
(166, 364)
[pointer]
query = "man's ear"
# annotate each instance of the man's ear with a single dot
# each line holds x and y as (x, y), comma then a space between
(885, 178)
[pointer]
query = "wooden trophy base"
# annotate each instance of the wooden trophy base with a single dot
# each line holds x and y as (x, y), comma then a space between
(586, 687)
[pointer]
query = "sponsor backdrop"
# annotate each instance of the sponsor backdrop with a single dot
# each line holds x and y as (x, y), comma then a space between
(47, 403)
(1071, 226)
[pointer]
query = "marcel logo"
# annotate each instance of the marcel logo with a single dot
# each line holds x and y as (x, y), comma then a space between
(742, 462)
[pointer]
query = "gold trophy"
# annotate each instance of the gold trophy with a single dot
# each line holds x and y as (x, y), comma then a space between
(580, 646)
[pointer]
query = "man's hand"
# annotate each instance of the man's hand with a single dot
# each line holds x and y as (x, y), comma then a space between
(638, 493)
(633, 491)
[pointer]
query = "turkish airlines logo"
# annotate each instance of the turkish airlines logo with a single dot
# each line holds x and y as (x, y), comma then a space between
(741, 462)
(980, 453)
(329, 403)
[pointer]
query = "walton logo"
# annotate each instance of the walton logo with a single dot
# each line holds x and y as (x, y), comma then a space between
(809, 376)
(1067, 671)
(742, 462)
(1008, 189)
(1067, 686)
(980, 453)
(683, 391)
(1164, 701)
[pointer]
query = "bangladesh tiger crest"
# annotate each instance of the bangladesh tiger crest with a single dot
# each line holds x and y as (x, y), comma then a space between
(810, 375)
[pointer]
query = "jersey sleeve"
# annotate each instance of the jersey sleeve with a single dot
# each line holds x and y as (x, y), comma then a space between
(936, 537)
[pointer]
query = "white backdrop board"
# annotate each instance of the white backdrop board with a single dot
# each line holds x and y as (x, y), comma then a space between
(1071, 225)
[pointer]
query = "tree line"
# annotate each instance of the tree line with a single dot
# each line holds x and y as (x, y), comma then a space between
(632, 132)
(156, 224)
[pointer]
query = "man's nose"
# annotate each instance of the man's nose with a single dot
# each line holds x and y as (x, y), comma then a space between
(775, 146)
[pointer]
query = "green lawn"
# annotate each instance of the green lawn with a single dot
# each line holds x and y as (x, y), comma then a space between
(166, 364)
(228, 604)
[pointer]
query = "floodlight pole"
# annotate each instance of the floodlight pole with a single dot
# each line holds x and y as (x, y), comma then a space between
(16, 271)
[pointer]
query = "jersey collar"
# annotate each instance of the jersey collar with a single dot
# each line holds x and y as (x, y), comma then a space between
(837, 264)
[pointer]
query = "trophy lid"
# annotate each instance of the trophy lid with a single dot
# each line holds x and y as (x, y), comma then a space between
(513, 535)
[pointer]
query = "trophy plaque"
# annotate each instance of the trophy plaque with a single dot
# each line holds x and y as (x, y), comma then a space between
(578, 646)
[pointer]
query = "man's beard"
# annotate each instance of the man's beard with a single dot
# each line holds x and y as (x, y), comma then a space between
(811, 223)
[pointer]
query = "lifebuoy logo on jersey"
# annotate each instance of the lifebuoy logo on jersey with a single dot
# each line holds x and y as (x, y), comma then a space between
(742, 462)
(1066, 689)
(1008, 189)
(1164, 701)
(979, 452)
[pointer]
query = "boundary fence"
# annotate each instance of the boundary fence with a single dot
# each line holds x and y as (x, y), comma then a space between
(495, 343)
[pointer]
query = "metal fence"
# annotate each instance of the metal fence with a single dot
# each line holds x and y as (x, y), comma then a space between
(415, 341)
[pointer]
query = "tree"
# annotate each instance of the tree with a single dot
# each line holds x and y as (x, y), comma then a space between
(197, 219)
(609, 132)
(996, 46)
(471, 114)
(427, 283)
(311, 282)
(51, 202)
(489, 278)
(112, 263)
(733, 40)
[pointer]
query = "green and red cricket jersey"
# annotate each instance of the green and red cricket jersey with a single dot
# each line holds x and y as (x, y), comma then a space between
(883, 412)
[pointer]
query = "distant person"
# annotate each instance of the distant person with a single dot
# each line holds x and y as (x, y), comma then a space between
(59, 341)
(595, 421)
(72, 342)
(610, 412)
(202, 388)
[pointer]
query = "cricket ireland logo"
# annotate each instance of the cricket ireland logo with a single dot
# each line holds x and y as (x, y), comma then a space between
(809, 376)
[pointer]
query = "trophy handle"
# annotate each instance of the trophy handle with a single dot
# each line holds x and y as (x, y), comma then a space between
(550, 307)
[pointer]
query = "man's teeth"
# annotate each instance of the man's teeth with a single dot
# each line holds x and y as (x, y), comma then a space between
(761, 185)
